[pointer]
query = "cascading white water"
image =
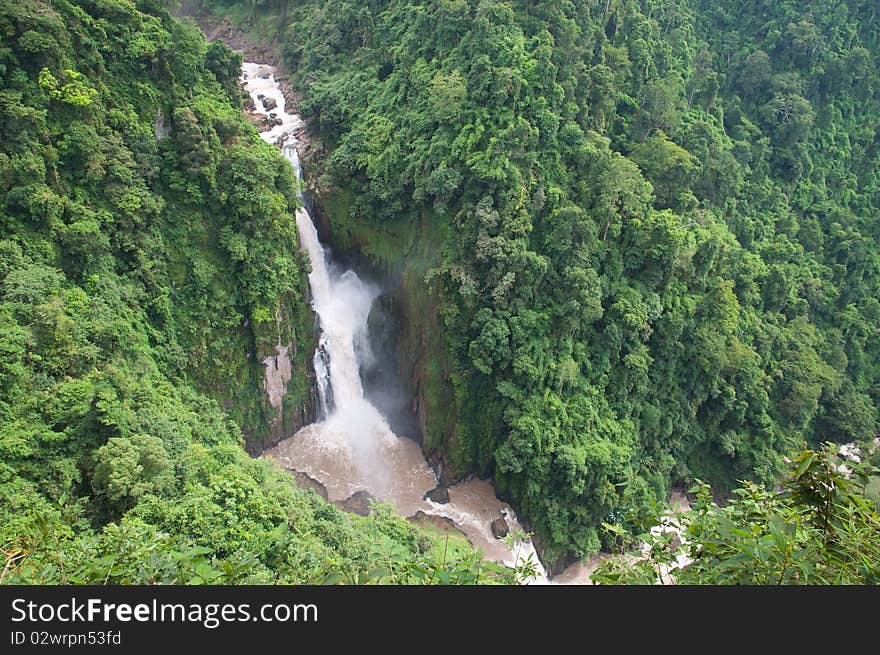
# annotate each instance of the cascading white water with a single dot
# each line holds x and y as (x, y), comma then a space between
(321, 363)
(353, 447)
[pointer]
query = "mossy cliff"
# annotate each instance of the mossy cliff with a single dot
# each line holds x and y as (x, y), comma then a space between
(401, 255)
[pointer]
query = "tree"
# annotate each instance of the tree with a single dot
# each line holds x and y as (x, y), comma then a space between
(754, 76)
(669, 167)
(225, 64)
(128, 468)
(71, 88)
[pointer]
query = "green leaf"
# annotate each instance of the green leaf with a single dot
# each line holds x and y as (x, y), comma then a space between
(804, 465)
(332, 579)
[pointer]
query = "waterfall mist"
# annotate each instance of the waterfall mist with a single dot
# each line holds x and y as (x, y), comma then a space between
(382, 368)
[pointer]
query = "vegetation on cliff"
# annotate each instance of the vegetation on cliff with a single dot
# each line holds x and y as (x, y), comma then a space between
(816, 528)
(659, 264)
(148, 262)
(662, 259)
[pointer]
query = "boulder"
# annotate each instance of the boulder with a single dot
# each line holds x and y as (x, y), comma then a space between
(269, 103)
(305, 481)
(438, 495)
(441, 524)
(262, 122)
(357, 503)
(500, 528)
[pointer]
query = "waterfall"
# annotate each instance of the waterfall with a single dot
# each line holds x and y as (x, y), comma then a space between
(321, 363)
(352, 446)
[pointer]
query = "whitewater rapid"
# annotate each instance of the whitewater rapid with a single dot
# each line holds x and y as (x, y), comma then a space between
(352, 447)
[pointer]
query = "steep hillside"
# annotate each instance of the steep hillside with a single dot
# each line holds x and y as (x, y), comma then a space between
(149, 274)
(658, 229)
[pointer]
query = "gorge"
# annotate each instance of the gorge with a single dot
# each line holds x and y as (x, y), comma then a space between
(557, 262)
(352, 447)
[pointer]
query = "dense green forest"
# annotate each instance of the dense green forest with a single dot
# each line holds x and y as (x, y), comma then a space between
(148, 259)
(659, 257)
(648, 250)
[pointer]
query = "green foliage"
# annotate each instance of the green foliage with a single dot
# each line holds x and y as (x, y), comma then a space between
(661, 259)
(225, 64)
(660, 264)
(148, 262)
(818, 529)
(128, 468)
(70, 89)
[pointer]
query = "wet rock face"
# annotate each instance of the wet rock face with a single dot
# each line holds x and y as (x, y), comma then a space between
(287, 417)
(269, 103)
(500, 529)
(442, 524)
(357, 503)
(160, 129)
(277, 375)
(383, 375)
(438, 495)
(305, 481)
